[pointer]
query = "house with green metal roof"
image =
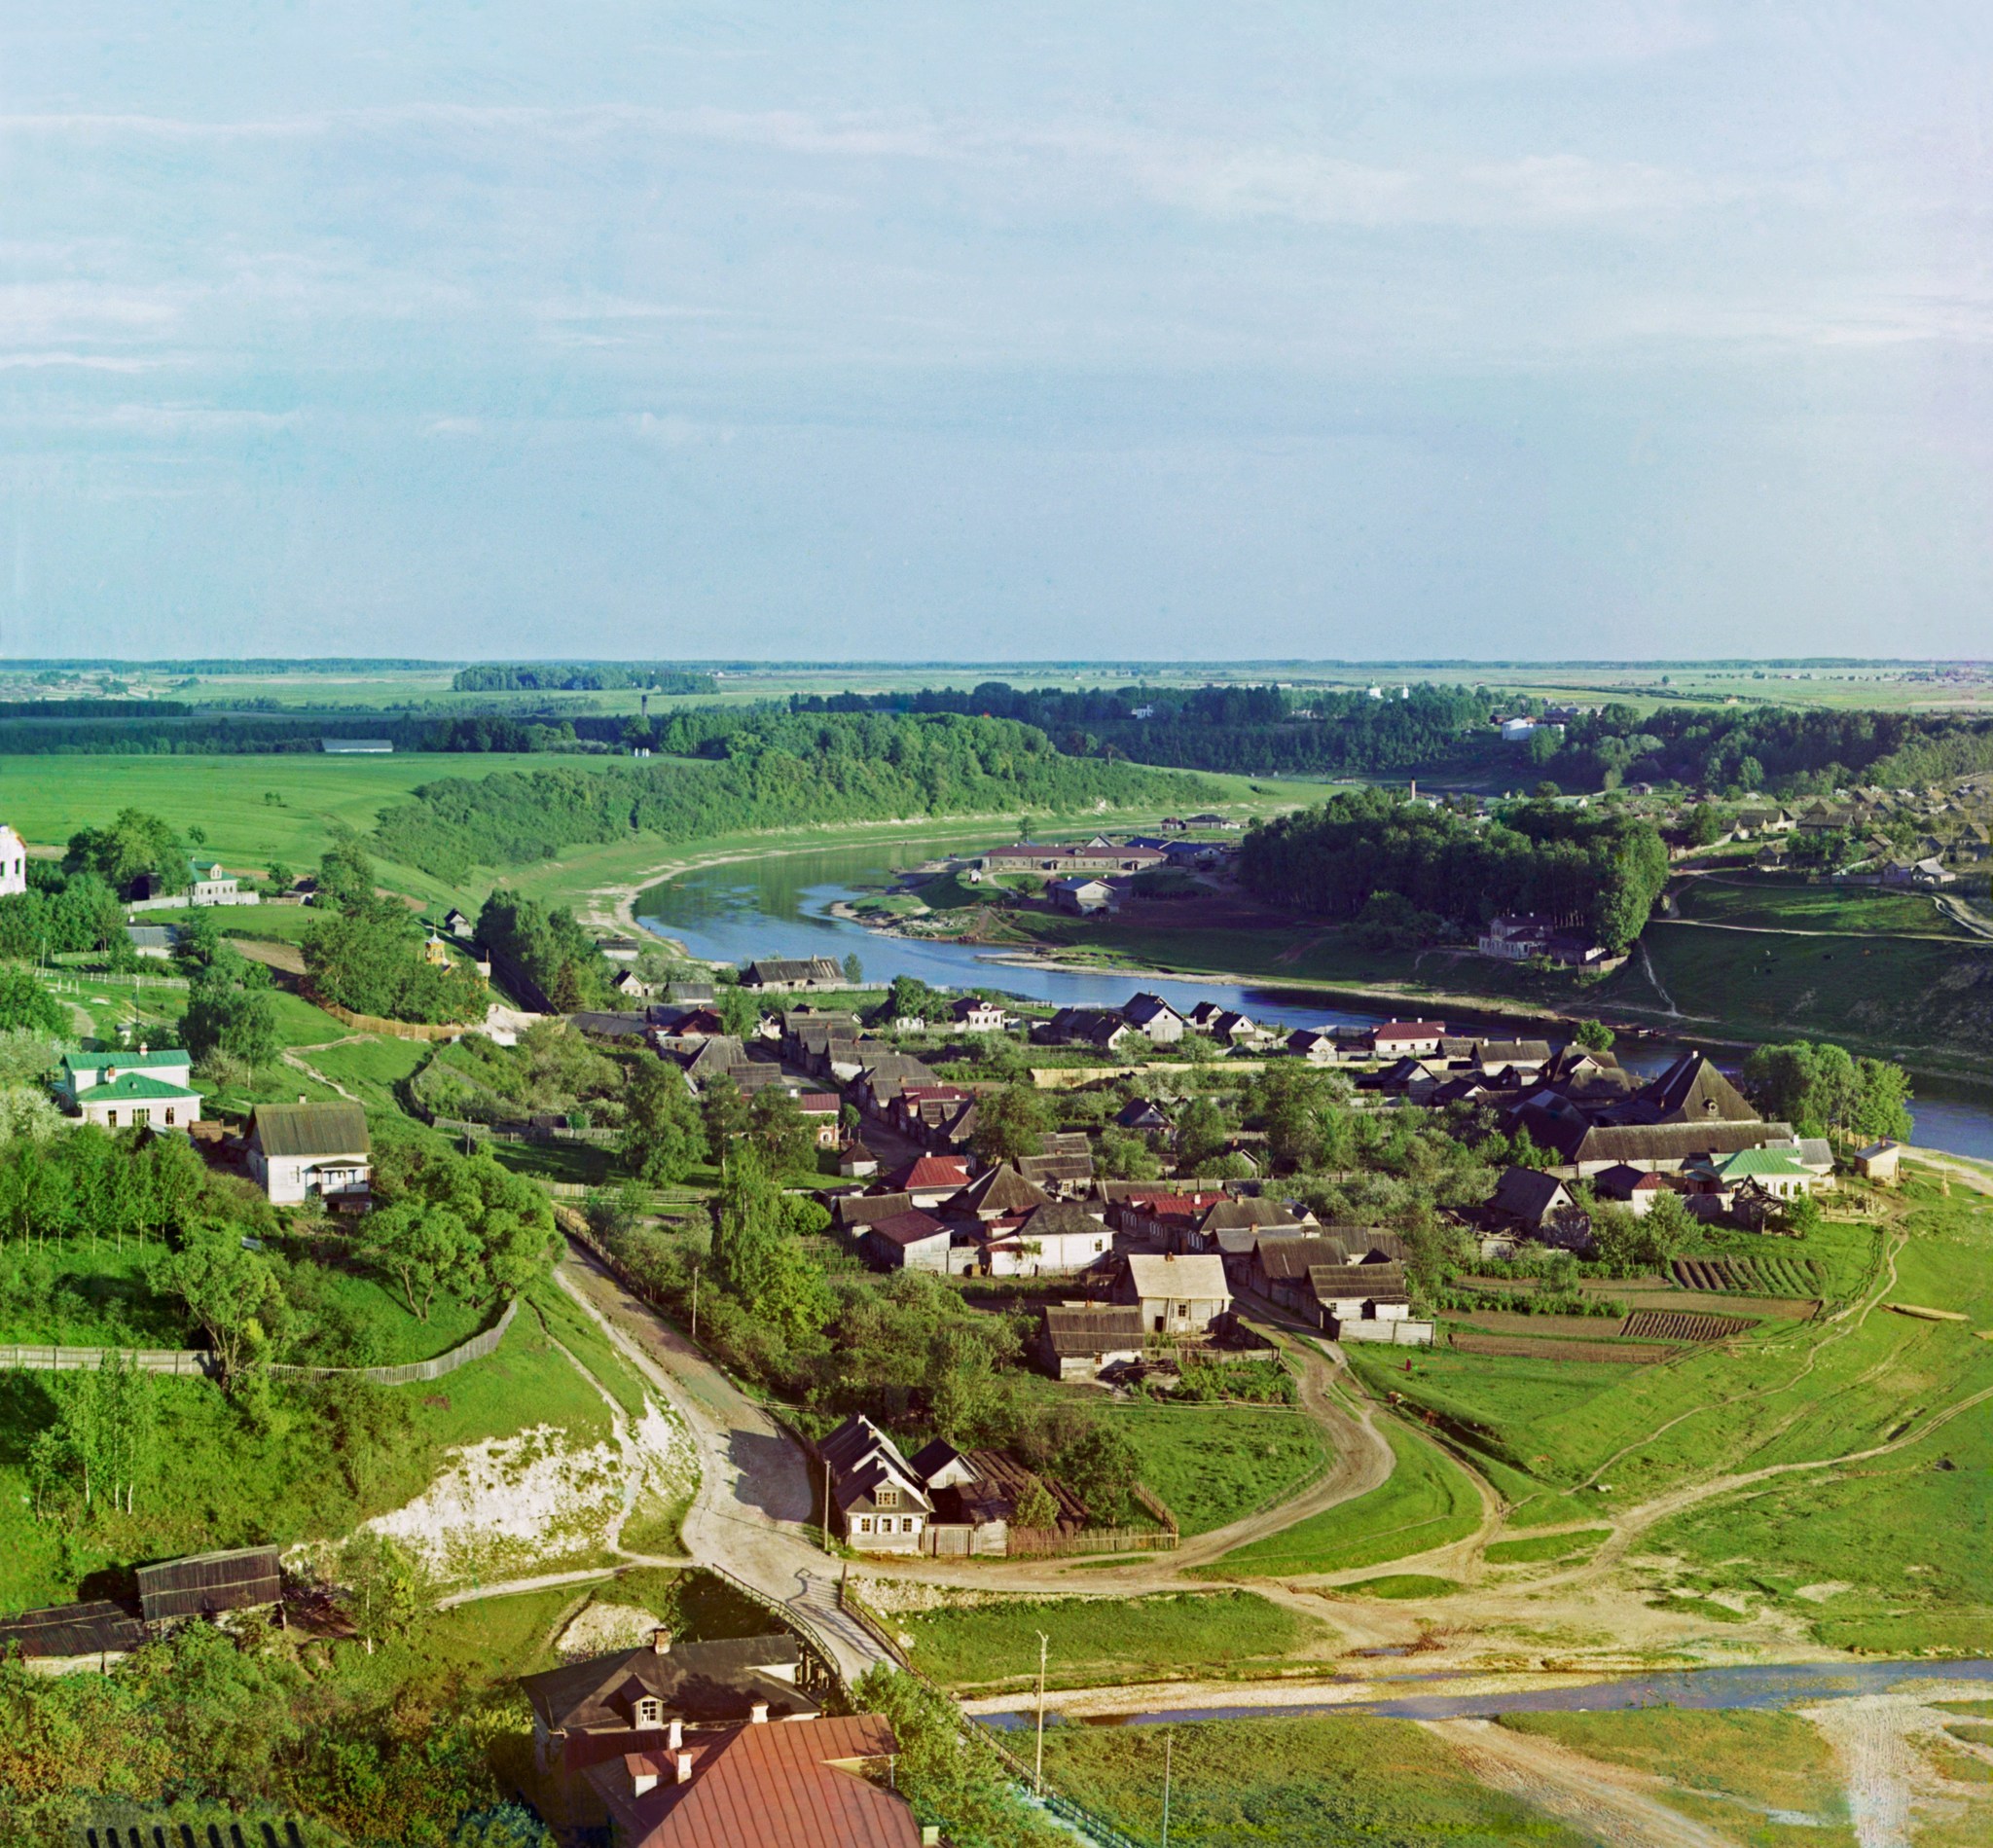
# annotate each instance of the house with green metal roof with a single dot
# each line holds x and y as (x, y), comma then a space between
(1777, 1171)
(82, 1072)
(139, 1100)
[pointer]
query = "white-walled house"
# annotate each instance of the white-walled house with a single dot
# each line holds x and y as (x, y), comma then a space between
(305, 1151)
(131, 1090)
(13, 862)
(81, 1072)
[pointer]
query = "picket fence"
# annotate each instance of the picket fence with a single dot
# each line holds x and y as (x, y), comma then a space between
(38, 1358)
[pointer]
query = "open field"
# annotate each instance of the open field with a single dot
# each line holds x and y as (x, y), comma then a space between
(1292, 1782)
(1216, 1464)
(1534, 1548)
(1426, 1501)
(994, 1647)
(1768, 904)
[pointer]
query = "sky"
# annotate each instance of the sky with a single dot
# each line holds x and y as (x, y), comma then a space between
(900, 331)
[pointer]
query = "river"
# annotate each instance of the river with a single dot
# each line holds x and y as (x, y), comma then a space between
(778, 905)
(1763, 1687)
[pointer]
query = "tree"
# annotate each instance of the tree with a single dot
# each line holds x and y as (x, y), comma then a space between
(663, 1137)
(135, 843)
(777, 1125)
(281, 878)
(100, 1443)
(739, 1011)
(1101, 1467)
(1010, 1124)
(1127, 1158)
(1593, 1035)
(1035, 1507)
(424, 1248)
(1821, 1090)
(756, 1259)
(345, 873)
(26, 1006)
(724, 1114)
(231, 1294)
(231, 1011)
(1882, 1102)
(1201, 1135)
(380, 1585)
(854, 970)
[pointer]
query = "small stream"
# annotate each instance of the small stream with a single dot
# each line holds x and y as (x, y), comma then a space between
(780, 906)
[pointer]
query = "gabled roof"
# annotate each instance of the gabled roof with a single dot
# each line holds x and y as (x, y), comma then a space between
(202, 1583)
(695, 1681)
(1356, 1282)
(151, 1059)
(310, 1128)
(868, 1208)
(1072, 1328)
(1142, 1114)
(1693, 1091)
(1760, 1163)
(1039, 1169)
(1234, 1215)
(1001, 1189)
(796, 1784)
(1146, 1007)
(72, 1629)
(1512, 1052)
(1284, 1259)
(1528, 1195)
(1199, 1277)
(1061, 1219)
(911, 1227)
(931, 1174)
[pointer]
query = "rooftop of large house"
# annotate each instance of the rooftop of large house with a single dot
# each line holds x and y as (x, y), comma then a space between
(698, 1683)
(134, 1087)
(1199, 1277)
(310, 1128)
(142, 1059)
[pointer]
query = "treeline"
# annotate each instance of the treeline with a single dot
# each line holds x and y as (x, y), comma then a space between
(1784, 750)
(589, 677)
(365, 951)
(60, 913)
(230, 734)
(1246, 730)
(1598, 873)
(766, 772)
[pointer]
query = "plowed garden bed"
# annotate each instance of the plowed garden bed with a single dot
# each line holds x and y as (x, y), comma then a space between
(1660, 1324)
(1522, 1348)
(1507, 1321)
(1771, 1276)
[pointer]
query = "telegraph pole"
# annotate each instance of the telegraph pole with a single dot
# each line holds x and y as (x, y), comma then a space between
(1038, 1770)
(1168, 1745)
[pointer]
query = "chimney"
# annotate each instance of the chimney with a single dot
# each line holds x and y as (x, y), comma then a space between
(303, 1099)
(758, 1714)
(685, 1767)
(641, 1781)
(660, 1640)
(141, 1049)
(677, 1736)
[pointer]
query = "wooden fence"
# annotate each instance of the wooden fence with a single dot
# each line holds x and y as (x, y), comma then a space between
(37, 1358)
(1051, 1543)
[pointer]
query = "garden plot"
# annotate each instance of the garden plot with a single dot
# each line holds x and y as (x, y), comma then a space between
(1660, 1324)
(1752, 1276)
(1526, 1348)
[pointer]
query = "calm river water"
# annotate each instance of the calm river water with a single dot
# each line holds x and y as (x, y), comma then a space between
(780, 906)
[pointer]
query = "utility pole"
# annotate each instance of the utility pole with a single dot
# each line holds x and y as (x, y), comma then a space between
(826, 1505)
(1168, 1745)
(1038, 1770)
(695, 1302)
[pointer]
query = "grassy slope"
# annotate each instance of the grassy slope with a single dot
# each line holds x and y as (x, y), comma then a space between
(1428, 1501)
(1214, 1463)
(1291, 1784)
(995, 1646)
(222, 1481)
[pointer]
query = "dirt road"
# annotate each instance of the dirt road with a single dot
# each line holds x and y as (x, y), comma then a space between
(1614, 1806)
(753, 1514)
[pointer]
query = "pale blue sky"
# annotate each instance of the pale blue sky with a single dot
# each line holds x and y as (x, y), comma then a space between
(1001, 332)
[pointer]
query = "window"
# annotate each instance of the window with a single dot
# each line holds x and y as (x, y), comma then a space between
(650, 1713)
(1182, 1309)
(888, 1498)
(864, 1523)
(110, 1119)
(909, 1525)
(170, 1116)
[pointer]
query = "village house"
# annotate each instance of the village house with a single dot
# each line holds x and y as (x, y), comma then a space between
(1150, 1014)
(1879, 1162)
(13, 862)
(786, 975)
(1176, 1296)
(144, 1089)
(1100, 1028)
(1080, 1341)
(1407, 1039)
(908, 1240)
(1528, 1199)
(312, 1151)
(881, 1504)
(930, 1180)
(1062, 1165)
(972, 1014)
(820, 1110)
(1143, 1114)
(1366, 1302)
(1317, 1048)
(1082, 896)
(1634, 1188)
(1053, 1240)
(1097, 856)
(1772, 1171)
(857, 1161)
(997, 1193)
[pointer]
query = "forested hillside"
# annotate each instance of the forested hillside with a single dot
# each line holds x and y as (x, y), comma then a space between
(766, 772)
(1603, 872)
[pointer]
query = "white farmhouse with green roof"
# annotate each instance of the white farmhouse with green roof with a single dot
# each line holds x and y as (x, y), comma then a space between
(131, 1090)
(1775, 1170)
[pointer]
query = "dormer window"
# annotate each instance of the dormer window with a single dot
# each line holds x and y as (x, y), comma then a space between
(888, 1498)
(650, 1713)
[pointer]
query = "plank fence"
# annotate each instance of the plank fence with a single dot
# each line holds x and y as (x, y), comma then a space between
(40, 1358)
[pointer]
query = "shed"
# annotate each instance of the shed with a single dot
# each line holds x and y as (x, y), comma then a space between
(1076, 1340)
(63, 1632)
(203, 1584)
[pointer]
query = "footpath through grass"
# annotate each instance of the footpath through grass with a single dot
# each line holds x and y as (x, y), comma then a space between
(1296, 1783)
(1428, 1501)
(992, 1647)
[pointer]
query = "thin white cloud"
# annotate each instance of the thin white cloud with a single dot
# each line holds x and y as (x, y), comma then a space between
(86, 362)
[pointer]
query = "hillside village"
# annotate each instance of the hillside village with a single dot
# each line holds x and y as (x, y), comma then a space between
(1083, 1208)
